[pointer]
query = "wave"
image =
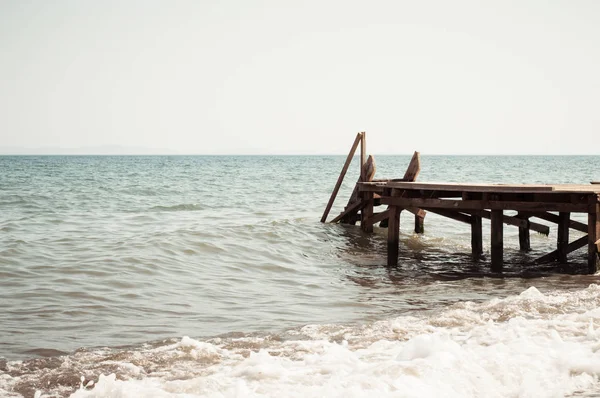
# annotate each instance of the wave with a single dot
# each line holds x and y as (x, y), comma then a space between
(529, 345)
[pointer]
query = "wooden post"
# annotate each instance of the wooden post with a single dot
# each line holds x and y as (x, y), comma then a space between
(524, 237)
(414, 168)
(419, 224)
(393, 236)
(341, 177)
(593, 235)
(476, 237)
(497, 244)
(368, 170)
(363, 156)
(367, 212)
(562, 241)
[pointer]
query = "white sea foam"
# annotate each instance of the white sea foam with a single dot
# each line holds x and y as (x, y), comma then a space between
(530, 345)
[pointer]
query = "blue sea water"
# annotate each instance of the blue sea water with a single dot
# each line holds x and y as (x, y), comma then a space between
(107, 262)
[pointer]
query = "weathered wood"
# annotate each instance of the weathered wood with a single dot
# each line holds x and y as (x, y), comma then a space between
(352, 208)
(363, 156)
(393, 236)
(416, 211)
(455, 215)
(414, 168)
(519, 222)
(593, 235)
(338, 184)
(553, 255)
(476, 237)
(524, 236)
(465, 216)
(495, 188)
(378, 217)
(367, 212)
(562, 240)
(367, 171)
(411, 174)
(553, 218)
(497, 243)
(419, 224)
(483, 204)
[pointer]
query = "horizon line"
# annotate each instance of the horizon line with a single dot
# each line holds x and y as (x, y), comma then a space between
(288, 154)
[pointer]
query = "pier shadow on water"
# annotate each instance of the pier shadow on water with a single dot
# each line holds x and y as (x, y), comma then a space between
(426, 261)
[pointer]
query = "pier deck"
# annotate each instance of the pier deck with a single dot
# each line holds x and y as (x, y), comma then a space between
(470, 203)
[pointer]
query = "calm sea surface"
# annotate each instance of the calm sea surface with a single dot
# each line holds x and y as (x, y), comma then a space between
(180, 276)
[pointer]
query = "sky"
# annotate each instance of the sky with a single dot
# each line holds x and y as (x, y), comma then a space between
(300, 77)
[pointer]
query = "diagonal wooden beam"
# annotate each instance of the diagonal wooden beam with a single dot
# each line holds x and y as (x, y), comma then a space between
(553, 218)
(353, 207)
(465, 216)
(519, 222)
(338, 184)
(378, 217)
(455, 215)
(553, 255)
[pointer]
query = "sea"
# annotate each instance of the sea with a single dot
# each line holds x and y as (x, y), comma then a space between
(211, 276)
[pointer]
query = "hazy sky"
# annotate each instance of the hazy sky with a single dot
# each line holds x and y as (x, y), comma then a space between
(302, 76)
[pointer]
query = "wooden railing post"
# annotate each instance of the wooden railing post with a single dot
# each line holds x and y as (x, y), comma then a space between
(363, 156)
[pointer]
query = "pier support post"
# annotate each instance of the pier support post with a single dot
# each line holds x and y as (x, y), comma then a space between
(524, 236)
(393, 236)
(367, 213)
(420, 222)
(497, 244)
(562, 241)
(593, 235)
(476, 237)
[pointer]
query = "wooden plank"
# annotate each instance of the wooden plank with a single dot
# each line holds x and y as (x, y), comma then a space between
(476, 237)
(524, 236)
(352, 208)
(553, 255)
(454, 215)
(497, 243)
(370, 188)
(341, 177)
(483, 204)
(562, 240)
(494, 188)
(593, 235)
(393, 236)
(576, 225)
(414, 168)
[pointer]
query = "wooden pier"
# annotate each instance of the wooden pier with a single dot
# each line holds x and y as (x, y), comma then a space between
(470, 203)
